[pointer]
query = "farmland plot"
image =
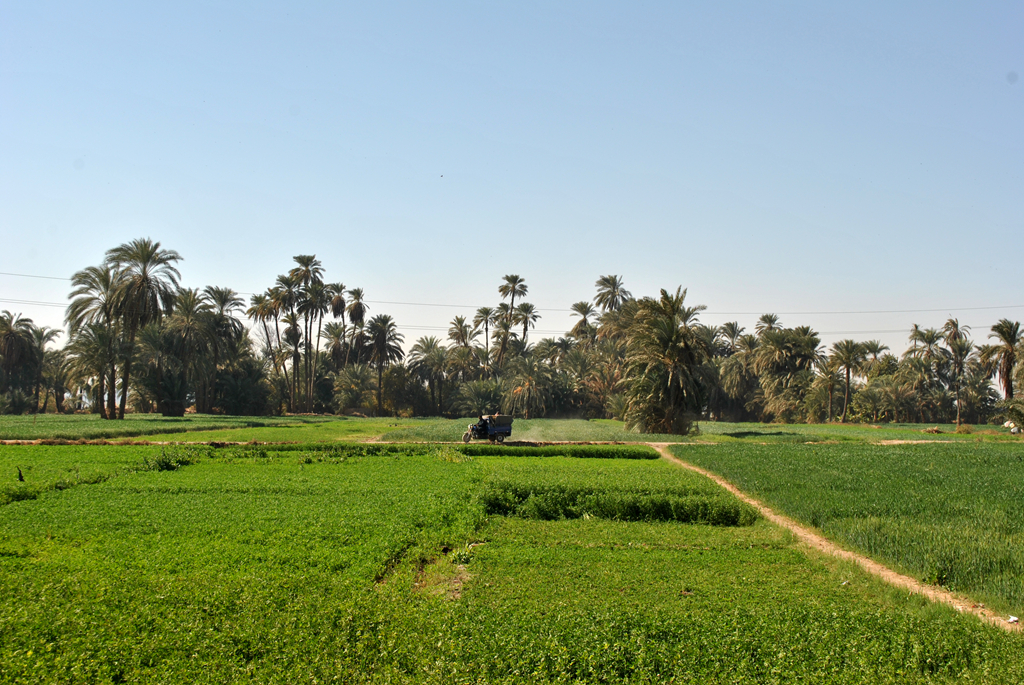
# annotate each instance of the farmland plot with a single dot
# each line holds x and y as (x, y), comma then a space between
(949, 514)
(422, 564)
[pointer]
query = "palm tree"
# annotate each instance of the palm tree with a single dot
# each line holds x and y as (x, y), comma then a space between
(513, 285)
(16, 343)
(664, 356)
(849, 356)
(192, 329)
(92, 302)
(144, 295)
(356, 314)
(335, 334)
(961, 352)
(610, 293)
(428, 359)
(584, 310)
(385, 348)
(92, 355)
(731, 331)
(41, 337)
(485, 317)
(767, 322)
(1004, 352)
(317, 302)
(526, 314)
(460, 332)
(293, 336)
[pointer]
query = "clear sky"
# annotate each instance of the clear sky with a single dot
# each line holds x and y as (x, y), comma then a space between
(770, 157)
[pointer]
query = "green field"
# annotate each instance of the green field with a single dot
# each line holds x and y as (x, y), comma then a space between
(951, 514)
(92, 427)
(206, 428)
(426, 564)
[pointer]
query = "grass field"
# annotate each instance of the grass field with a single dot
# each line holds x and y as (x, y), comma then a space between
(392, 564)
(951, 514)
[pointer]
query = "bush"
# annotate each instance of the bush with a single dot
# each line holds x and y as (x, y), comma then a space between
(553, 502)
(172, 459)
(576, 451)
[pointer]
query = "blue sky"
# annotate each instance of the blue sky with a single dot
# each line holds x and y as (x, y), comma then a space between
(791, 157)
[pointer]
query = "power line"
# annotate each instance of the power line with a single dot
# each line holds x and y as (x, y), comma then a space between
(49, 278)
(552, 309)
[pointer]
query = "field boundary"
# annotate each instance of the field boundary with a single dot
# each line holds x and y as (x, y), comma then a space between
(826, 546)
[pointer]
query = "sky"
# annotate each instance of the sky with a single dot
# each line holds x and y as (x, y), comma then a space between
(800, 158)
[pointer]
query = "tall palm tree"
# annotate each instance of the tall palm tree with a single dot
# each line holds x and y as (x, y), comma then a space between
(1008, 338)
(513, 285)
(385, 348)
(41, 337)
(357, 309)
(731, 331)
(144, 295)
(848, 355)
(584, 310)
(293, 336)
(610, 293)
(961, 353)
(317, 302)
(460, 332)
(767, 322)
(485, 317)
(526, 314)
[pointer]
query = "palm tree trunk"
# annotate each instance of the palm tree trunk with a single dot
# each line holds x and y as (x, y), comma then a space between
(99, 395)
(380, 388)
(112, 393)
(127, 372)
(846, 397)
(316, 358)
(39, 382)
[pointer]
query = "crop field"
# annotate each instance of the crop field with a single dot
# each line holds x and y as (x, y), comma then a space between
(951, 514)
(92, 427)
(423, 563)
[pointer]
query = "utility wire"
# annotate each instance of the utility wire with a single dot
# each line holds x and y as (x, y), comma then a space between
(547, 309)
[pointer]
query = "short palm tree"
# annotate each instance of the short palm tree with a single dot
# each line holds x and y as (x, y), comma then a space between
(16, 342)
(41, 337)
(1004, 353)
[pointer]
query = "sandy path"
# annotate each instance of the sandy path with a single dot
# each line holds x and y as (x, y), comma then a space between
(822, 544)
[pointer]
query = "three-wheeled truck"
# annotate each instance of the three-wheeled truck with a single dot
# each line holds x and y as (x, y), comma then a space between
(495, 427)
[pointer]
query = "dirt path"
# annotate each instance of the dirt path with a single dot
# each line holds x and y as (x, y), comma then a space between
(822, 544)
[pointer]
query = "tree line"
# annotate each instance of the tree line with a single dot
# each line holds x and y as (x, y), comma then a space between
(139, 341)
